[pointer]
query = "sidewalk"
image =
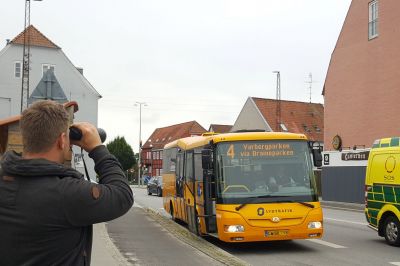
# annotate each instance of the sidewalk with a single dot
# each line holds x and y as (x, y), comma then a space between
(104, 252)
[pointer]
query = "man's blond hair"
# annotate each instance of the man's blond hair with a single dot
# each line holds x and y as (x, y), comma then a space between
(41, 124)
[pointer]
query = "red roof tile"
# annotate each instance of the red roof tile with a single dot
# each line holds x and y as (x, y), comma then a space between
(164, 135)
(298, 117)
(36, 38)
(220, 128)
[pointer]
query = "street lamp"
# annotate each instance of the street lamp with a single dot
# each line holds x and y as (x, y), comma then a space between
(140, 137)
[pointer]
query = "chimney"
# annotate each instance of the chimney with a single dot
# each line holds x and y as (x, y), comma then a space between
(80, 69)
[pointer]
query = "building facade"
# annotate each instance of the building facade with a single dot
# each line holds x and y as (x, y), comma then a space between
(45, 55)
(362, 85)
(361, 91)
(152, 150)
(295, 117)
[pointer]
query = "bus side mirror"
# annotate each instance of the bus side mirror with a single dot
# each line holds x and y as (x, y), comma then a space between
(317, 157)
(206, 159)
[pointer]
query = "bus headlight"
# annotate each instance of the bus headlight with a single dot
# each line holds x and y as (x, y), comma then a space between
(234, 228)
(314, 225)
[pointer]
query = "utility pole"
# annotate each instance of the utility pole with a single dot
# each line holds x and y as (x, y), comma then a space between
(26, 56)
(278, 101)
(140, 139)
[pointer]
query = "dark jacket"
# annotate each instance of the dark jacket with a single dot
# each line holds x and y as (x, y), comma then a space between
(47, 210)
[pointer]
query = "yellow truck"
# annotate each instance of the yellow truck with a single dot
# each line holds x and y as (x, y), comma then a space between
(382, 189)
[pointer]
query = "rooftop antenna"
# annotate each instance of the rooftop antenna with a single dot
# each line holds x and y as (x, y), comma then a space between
(26, 56)
(278, 100)
(310, 82)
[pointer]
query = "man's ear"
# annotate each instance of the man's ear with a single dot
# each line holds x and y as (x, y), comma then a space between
(61, 141)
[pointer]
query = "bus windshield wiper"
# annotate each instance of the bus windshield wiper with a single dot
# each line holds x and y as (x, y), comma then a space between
(281, 201)
(252, 200)
(300, 202)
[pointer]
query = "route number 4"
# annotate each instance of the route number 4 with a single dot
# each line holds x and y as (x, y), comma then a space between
(231, 151)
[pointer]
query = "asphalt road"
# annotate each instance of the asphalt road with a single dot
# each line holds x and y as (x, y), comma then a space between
(347, 241)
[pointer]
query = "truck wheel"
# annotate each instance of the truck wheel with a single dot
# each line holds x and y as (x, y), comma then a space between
(391, 231)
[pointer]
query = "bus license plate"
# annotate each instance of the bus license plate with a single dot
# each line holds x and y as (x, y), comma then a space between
(276, 233)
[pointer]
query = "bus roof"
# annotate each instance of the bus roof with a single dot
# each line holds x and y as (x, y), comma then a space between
(199, 141)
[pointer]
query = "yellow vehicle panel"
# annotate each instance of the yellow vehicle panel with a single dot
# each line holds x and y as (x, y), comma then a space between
(383, 185)
(265, 222)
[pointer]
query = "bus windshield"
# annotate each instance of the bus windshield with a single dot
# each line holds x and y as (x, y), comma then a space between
(264, 171)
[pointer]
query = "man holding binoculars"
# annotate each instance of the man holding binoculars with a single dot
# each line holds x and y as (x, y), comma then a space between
(47, 209)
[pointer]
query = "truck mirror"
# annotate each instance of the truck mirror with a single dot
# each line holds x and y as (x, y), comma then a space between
(206, 159)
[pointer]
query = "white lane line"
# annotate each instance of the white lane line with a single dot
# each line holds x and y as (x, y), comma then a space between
(325, 243)
(395, 263)
(344, 221)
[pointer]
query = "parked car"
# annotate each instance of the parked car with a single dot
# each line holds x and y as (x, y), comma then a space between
(155, 186)
(146, 179)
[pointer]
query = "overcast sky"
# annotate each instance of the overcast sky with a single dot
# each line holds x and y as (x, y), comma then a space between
(188, 60)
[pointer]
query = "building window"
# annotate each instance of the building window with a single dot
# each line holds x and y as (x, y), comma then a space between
(17, 69)
(317, 129)
(306, 129)
(46, 67)
(373, 20)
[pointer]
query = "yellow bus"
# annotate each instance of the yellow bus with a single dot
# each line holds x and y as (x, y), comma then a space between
(243, 187)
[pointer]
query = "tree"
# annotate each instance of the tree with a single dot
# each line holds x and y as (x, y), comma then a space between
(124, 153)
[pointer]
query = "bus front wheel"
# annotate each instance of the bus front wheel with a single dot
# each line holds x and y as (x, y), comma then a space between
(391, 231)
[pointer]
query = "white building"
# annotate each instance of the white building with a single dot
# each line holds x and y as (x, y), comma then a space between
(45, 55)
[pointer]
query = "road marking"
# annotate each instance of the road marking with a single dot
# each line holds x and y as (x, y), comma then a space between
(395, 263)
(325, 243)
(345, 221)
(343, 209)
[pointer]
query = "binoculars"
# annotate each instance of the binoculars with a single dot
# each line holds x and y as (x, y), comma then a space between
(76, 134)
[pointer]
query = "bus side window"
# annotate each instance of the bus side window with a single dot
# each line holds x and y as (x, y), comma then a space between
(198, 170)
(179, 175)
(169, 161)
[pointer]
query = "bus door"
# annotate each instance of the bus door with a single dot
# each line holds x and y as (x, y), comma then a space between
(208, 191)
(179, 185)
(190, 192)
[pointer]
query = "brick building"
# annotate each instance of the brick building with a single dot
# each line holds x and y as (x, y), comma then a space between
(362, 85)
(152, 150)
(220, 128)
(296, 117)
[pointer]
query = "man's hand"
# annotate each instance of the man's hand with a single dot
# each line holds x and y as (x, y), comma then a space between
(90, 137)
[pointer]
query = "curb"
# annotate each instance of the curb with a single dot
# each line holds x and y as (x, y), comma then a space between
(196, 242)
(110, 246)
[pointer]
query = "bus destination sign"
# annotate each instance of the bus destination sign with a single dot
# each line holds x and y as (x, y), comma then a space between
(261, 150)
